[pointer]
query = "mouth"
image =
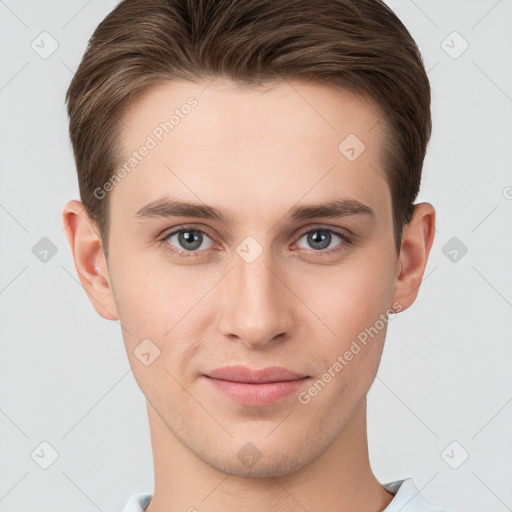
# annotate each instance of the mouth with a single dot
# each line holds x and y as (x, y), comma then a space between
(243, 374)
(255, 387)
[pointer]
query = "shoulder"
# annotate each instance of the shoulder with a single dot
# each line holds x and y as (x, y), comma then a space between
(408, 498)
(137, 503)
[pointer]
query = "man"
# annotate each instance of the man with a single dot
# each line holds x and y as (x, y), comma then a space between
(247, 174)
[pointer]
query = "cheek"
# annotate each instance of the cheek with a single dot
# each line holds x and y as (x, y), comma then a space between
(141, 298)
(149, 308)
(158, 302)
(352, 302)
(350, 297)
(143, 286)
(354, 308)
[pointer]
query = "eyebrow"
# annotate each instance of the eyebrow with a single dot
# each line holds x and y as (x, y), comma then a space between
(169, 207)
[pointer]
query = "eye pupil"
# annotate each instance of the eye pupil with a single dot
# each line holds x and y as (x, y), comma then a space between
(193, 237)
(324, 239)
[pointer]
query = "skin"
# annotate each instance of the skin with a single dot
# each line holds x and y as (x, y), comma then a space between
(254, 153)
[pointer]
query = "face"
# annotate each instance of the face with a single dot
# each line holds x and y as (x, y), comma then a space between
(266, 280)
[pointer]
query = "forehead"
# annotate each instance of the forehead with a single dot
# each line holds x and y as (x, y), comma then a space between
(278, 142)
(223, 108)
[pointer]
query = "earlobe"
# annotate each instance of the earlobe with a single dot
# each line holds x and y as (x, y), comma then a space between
(417, 240)
(90, 264)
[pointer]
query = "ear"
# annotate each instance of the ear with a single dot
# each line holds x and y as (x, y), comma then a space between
(417, 240)
(89, 258)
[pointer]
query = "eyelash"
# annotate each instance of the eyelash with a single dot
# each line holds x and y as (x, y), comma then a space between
(346, 241)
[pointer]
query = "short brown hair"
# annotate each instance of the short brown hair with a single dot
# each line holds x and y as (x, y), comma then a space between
(359, 45)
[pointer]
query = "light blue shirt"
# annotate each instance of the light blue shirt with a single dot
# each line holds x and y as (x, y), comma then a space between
(407, 499)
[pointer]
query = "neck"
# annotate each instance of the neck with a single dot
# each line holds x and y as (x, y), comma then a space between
(340, 478)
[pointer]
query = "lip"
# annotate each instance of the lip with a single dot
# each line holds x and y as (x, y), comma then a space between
(255, 387)
(255, 376)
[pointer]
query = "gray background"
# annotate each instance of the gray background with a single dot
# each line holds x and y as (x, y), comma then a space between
(445, 374)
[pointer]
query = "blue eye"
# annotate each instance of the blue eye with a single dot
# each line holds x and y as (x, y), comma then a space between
(188, 240)
(321, 239)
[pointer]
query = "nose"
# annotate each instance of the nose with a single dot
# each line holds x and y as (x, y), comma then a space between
(256, 302)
